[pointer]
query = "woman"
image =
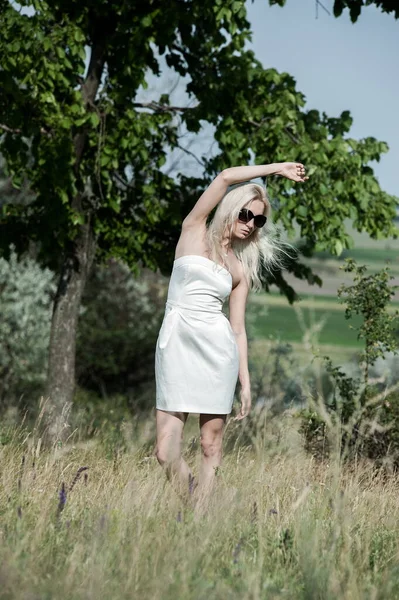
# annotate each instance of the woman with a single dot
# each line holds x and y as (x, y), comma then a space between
(200, 353)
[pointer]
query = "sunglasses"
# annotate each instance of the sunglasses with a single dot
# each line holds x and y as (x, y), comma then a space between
(245, 215)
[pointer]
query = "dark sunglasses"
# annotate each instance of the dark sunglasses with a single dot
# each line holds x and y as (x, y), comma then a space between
(245, 215)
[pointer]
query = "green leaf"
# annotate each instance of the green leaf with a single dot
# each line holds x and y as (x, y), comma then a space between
(302, 211)
(64, 196)
(79, 36)
(338, 247)
(77, 218)
(94, 119)
(114, 204)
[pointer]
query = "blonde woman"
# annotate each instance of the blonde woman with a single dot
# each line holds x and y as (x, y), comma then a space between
(200, 354)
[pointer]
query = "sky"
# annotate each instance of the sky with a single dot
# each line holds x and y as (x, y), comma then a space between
(338, 66)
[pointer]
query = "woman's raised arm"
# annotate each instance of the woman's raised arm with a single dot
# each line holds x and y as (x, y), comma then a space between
(218, 188)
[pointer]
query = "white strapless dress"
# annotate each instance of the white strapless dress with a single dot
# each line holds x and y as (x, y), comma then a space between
(196, 359)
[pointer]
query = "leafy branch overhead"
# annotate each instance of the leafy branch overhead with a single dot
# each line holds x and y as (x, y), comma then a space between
(94, 152)
(355, 6)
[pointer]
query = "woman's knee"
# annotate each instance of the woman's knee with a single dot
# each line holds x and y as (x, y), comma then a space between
(211, 446)
(167, 452)
(161, 454)
(169, 436)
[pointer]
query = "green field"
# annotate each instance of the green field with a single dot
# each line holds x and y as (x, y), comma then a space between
(316, 319)
(367, 255)
(372, 255)
(325, 324)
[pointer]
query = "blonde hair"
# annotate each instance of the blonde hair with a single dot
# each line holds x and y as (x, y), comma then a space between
(261, 249)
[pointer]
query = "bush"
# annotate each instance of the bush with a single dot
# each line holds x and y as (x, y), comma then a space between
(117, 332)
(25, 305)
(361, 416)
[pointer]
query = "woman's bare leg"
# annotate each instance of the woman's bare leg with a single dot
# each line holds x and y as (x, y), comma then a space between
(170, 427)
(211, 427)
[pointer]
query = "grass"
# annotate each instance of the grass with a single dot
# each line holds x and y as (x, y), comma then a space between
(280, 525)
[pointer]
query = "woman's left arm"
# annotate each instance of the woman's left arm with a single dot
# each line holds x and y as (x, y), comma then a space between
(237, 304)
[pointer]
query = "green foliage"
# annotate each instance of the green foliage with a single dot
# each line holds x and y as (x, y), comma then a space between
(25, 307)
(93, 153)
(369, 297)
(355, 7)
(363, 414)
(117, 333)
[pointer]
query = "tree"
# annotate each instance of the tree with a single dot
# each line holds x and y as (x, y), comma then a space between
(93, 153)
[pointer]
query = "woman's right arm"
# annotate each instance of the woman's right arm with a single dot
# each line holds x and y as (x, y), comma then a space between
(218, 188)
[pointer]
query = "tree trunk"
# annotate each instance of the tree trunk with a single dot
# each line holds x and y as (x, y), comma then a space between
(78, 257)
(61, 363)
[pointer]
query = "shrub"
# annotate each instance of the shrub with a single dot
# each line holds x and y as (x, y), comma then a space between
(25, 307)
(117, 332)
(361, 414)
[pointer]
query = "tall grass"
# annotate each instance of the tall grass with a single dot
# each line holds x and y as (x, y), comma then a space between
(279, 525)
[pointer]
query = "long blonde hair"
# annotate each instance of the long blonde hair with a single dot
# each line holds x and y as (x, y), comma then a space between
(260, 249)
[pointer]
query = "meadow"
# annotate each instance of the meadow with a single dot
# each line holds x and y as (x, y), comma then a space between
(89, 520)
(94, 517)
(318, 318)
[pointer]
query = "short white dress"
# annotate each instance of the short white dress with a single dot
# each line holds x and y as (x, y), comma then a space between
(197, 358)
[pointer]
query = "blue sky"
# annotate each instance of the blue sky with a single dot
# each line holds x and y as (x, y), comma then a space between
(338, 66)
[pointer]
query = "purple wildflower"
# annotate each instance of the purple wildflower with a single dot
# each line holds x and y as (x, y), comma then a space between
(63, 498)
(178, 518)
(273, 511)
(237, 550)
(191, 479)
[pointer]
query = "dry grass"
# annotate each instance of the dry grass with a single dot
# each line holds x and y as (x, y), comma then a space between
(280, 525)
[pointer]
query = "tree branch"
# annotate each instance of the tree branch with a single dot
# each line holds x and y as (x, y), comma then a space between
(199, 161)
(286, 130)
(20, 132)
(160, 107)
(89, 90)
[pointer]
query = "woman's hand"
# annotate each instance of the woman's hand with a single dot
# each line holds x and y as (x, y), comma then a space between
(293, 171)
(245, 397)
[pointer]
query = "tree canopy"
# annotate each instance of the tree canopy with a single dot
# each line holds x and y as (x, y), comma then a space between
(93, 153)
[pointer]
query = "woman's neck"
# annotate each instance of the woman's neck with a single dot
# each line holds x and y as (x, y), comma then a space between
(226, 245)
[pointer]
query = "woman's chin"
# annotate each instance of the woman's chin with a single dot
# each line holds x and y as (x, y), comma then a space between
(240, 235)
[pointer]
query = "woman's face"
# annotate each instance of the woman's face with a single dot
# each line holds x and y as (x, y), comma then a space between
(242, 231)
